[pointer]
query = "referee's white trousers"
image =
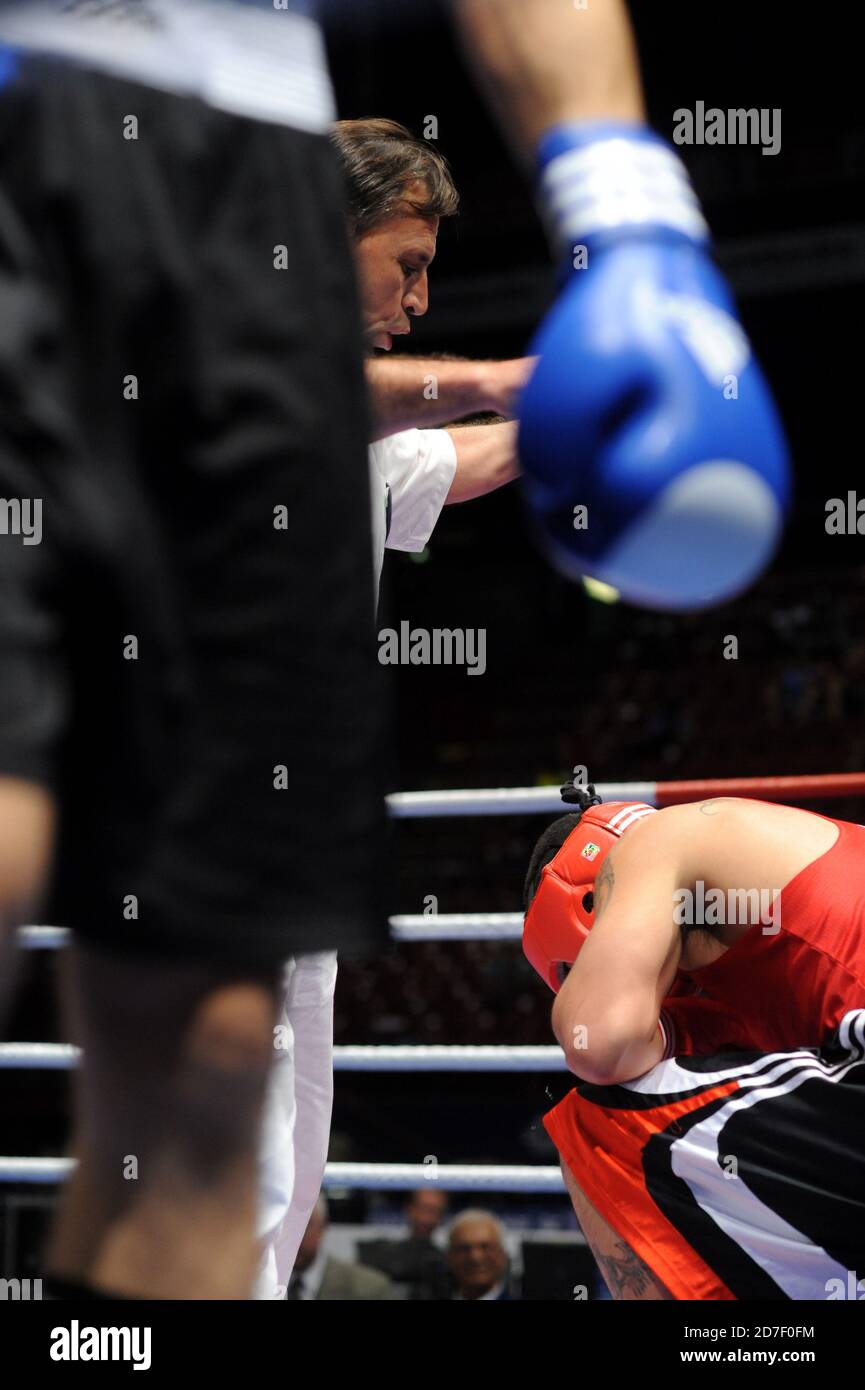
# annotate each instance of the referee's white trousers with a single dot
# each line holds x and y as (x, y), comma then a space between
(296, 1127)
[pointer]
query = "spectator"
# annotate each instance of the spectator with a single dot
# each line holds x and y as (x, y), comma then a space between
(477, 1257)
(416, 1265)
(317, 1275)
(425, 1210)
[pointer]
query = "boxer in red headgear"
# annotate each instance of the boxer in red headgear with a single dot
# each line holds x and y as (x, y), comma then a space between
(757, 1022)
(561, 905)
(560, 916)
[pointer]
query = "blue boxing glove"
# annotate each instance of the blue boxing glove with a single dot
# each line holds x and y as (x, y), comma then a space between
(653, 456)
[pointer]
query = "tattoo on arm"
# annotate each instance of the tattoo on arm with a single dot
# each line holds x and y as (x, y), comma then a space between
(603, 888)
(710, 808)
(625, 1273)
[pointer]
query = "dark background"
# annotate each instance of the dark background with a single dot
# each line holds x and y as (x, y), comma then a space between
(569, 680)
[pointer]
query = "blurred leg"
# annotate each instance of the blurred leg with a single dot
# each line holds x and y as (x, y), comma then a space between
(169, 1109)
(26, 839)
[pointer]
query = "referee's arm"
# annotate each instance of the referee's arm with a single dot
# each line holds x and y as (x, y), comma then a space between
(486, 459)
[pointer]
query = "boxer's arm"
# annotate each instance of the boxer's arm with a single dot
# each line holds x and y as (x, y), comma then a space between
(628, 1044)
(421, 392)
(486, 459)
(606, 1015)
(543, 62)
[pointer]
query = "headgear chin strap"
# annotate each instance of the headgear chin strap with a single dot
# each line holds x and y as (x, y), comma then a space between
(562, 910)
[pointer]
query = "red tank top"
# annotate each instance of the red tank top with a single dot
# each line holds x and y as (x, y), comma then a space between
(792, 988)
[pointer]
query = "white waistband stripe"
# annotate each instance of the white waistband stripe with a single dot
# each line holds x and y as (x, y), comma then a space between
(265, 63)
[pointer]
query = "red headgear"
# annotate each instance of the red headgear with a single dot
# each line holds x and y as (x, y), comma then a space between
(558, 921)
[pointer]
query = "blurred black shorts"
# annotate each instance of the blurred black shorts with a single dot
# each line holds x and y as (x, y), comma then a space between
(187, 657)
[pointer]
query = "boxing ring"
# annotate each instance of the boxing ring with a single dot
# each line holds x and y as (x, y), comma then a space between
(421, 927)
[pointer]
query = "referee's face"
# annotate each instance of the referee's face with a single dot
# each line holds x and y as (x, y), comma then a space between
(392, 261)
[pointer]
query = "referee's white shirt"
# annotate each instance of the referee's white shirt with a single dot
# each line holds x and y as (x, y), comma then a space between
(410, 477)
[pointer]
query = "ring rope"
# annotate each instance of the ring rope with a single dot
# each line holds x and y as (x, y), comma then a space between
(512, 801)
(30, 1056)
(507, 926)
(443, 927)
(452, 1177)
(418, 926)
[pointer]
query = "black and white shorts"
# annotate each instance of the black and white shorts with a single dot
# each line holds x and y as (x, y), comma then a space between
(187, 654)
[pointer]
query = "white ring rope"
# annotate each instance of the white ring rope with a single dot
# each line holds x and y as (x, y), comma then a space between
(429, 1057)
(457, 926)
(435, 1057)
(43, 938)
(507, 801)
(39, 1056)
(452, 1177)
(471, 926)
(409, 926)
(35, 1170)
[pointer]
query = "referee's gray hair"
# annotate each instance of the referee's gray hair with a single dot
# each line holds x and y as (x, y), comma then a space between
(381, 159)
